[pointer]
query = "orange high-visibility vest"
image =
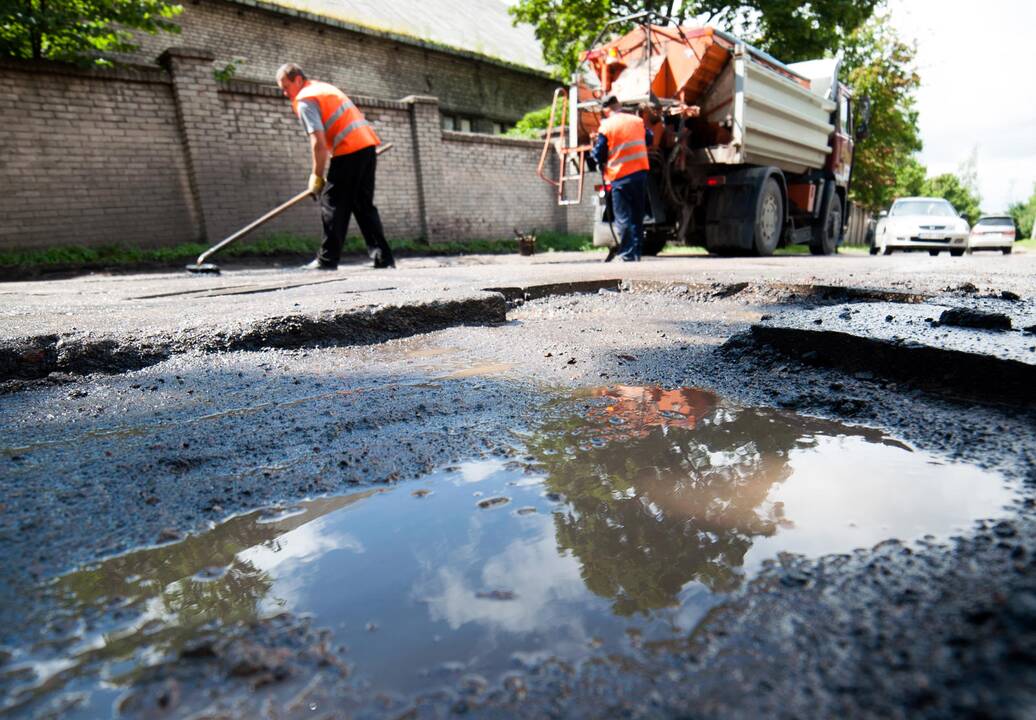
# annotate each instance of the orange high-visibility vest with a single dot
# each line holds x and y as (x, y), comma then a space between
(627, 146)
(344, 125)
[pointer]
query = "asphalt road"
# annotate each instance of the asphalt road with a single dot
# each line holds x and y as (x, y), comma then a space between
(144, 409)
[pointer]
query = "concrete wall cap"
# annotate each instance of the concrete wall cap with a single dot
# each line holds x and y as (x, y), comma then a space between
(427, 99)
(482, 138)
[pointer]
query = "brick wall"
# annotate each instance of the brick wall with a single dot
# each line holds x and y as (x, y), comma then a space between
(263, 37)
(498, 193)
(148, 157)
(269, 160)
(90, 158)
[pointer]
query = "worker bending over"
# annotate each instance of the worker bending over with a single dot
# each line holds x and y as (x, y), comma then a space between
(621, 151)
(338, 130)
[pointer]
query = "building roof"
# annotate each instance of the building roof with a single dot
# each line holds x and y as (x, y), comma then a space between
(473, 28)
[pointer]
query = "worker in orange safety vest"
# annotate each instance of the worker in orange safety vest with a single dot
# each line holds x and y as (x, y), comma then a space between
(621, 151)
(338, 131)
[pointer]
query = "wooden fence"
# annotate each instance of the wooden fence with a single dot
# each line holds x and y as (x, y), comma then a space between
(856, 232)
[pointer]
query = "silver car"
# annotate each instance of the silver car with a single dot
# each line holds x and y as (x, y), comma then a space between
(921, 223)
(993, 232)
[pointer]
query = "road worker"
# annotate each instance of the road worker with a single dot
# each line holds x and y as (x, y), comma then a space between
(338, 131)
(621, 151)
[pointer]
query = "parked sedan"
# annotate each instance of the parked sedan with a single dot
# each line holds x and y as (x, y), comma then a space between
(993, 232)
(921, 223)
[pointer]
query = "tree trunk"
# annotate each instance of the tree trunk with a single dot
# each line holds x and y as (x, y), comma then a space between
(35, 34)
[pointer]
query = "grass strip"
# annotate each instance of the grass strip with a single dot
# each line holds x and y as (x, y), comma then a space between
(121, 256)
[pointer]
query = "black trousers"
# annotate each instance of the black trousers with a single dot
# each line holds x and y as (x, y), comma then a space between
(349, 191)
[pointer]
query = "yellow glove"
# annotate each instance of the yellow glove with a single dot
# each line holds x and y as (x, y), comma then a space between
(316, 184)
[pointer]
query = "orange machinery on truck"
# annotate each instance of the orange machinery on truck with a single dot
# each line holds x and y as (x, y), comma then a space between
(749, 153)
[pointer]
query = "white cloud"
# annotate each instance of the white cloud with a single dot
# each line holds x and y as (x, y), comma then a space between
(977, 90)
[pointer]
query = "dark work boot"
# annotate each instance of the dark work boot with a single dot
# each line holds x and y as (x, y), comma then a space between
(382, 259)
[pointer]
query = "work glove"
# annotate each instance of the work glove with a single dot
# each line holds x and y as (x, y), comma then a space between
(316, 184)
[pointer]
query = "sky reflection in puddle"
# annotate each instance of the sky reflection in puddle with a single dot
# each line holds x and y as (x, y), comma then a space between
(627, 519)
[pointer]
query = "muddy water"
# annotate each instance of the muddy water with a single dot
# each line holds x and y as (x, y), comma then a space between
(629, 513)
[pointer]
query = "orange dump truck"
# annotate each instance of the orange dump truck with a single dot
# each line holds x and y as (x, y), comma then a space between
(749, 153)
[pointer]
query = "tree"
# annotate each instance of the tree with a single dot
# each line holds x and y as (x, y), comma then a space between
(911, 179)
(789, 29)
(880, 65)
(1024, 213)
(534, 122)
(950, 187)
(85, 31)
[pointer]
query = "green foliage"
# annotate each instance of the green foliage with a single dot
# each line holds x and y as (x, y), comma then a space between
(65, 258)
(84, 31)
(228, 71)
(911, 181)
(789, 29)
(1024, 213)
(534, 123)
(880, 65)
(950, 187)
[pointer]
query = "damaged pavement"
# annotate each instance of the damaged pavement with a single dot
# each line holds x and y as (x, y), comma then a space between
(148, 418)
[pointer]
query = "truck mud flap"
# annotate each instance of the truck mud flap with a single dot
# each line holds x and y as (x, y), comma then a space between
(730, 219)
(656, 208)
(730, 211)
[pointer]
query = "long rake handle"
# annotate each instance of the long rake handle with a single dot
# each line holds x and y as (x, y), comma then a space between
(254, 224)
(271, 215)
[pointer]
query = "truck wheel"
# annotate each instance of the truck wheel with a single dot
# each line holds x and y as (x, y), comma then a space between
(956, 253)
(769, 218)
(827, 234)
(1006, 250)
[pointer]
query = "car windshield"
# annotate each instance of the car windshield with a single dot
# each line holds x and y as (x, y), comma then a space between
(937, 208)
(1006, 221)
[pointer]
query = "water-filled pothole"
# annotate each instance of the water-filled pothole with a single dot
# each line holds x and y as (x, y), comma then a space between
(622, 522)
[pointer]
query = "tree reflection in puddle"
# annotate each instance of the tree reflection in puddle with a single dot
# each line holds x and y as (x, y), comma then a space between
(630, 517)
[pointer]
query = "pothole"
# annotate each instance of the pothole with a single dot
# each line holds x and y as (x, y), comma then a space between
(629, 513)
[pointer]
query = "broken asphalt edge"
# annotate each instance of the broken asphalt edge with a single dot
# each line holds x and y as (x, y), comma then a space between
(966, 374)
(37, 357)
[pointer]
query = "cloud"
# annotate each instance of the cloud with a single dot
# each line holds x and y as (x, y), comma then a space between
(975, 64)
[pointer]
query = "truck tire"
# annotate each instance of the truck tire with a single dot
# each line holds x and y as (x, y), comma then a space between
(828, 232)
(769, 218)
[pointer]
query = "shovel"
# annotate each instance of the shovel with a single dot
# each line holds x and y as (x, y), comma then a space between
(202, 267)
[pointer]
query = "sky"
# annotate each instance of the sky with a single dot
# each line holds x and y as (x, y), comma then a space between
(977, 63)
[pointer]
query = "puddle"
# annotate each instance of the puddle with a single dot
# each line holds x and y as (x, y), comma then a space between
(631, 513)
(479, 370)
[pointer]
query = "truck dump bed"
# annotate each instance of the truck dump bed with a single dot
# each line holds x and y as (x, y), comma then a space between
(754, 109)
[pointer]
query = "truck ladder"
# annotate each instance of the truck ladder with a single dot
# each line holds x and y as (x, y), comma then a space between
(571, 160)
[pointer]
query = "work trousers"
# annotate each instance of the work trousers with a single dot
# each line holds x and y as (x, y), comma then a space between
(349, 191)
(629, 203)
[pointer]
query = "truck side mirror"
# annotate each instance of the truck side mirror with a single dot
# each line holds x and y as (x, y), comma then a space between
(883, 214)
(863, 117)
